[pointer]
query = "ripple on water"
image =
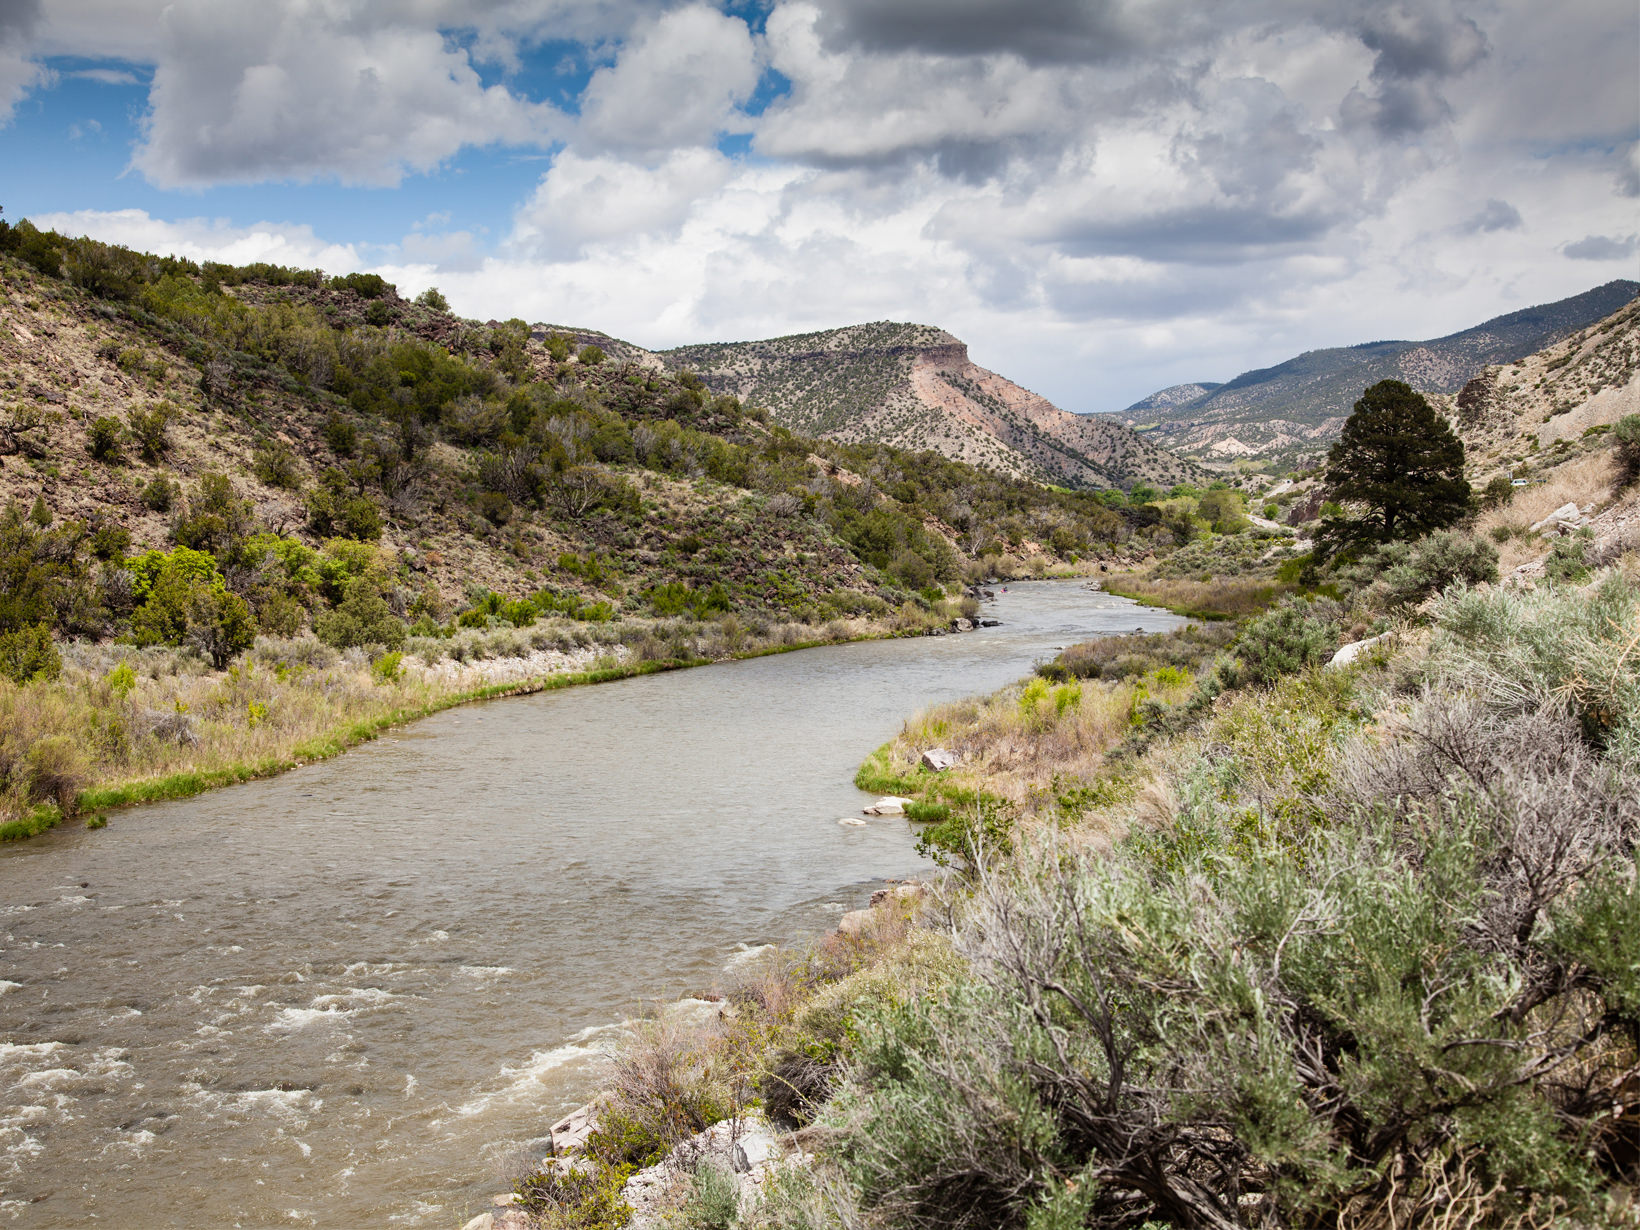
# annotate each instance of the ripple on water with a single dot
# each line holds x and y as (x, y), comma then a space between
(590, 1045)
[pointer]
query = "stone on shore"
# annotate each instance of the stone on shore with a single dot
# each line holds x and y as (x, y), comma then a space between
(749, 1150)
(890, 805)
(569, 1134)
(939, 759)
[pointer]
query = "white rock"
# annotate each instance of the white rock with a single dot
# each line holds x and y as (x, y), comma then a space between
(484, 1221)
(1349, 653)
(754, 1149)
(939, 759)
(569, 1134)
(1566, 513)
(853, 822)
(889, 806)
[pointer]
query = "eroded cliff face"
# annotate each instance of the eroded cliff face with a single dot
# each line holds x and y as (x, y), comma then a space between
(914, 386)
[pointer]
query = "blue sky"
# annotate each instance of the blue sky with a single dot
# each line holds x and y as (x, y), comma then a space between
(1101, 197)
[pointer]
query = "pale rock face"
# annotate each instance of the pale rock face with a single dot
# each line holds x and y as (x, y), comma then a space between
(939, 759)
(1349, 653)
(1567, 515)
(891, 805)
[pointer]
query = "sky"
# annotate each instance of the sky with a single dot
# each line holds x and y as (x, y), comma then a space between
(1101, 197)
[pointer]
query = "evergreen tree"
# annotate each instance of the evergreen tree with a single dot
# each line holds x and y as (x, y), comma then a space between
(1401, 462)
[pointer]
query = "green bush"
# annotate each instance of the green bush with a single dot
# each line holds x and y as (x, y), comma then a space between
(150, 429)
(182, 599)
(340, 435)
(574, 1198)
(103, 440)
(29, 653)
(1407, 573)
(160, 493)
(362, 618)
(1520, 651)
(713, 1202)
(1295, 635)
(337, 511)
(275, 464)
(433, 298)
(1364, 1027)
(1626, 449)
(366, 285)
(1566, 562)
(388, 667)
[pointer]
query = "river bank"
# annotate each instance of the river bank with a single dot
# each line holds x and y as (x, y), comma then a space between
(401, 959)
(1226, 903)
(124, 726)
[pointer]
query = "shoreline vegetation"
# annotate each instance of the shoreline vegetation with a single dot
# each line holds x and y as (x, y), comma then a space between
(123, 726)
(1327, 915)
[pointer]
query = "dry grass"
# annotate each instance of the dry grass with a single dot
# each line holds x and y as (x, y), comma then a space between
(1582, 481)
(1027, 742)
(1220, 598)
(123, 725)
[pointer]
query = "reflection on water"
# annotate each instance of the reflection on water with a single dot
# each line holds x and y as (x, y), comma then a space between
(352, 994)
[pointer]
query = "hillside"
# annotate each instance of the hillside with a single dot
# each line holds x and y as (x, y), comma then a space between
(914, 387)
(394, 509)
(1542, 404)
(1291, 412)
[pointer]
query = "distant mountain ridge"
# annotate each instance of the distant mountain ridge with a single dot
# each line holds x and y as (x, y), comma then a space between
(1173, 395)
(1295, 409)
(914, 386)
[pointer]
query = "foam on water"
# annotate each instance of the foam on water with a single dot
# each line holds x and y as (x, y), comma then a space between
(529, 1076)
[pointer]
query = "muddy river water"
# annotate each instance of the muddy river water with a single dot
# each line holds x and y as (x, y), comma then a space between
(351, 995)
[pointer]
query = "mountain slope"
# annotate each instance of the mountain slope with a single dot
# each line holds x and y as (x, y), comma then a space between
(913, 386)
(1295, 409)
(1549, 400)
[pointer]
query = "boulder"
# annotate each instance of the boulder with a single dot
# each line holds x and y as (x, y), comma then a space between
(1349, 653)
(756, 1148)
(1565, 515)
(959, 624)
(902, 892)
(569, 1134)
(939, 759)
(890, 805)
(852, 822)
(855, 922)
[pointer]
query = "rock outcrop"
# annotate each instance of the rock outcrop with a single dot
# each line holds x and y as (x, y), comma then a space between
(914, 386)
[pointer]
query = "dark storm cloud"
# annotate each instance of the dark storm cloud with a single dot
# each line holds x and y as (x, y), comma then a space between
(1602, 248)
(1416, 53)
(18, 18)
(1042, 32)
(1495, 215)
(1413, 45)
(1206, 235)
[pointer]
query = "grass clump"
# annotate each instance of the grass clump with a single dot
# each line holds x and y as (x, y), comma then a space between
(1219, 598)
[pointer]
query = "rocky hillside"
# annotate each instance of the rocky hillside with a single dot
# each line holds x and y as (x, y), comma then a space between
(1172, 397)
(914, 387)
(271, 417)
(1291, 412)
(1542, 403)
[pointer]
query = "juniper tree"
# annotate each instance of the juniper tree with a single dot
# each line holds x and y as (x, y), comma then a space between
(1400, 462)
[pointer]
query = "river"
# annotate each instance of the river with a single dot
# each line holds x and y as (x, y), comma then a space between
(350, 995)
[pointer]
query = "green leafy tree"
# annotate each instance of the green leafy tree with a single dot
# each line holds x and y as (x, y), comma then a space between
(1400, 462)
(183, 599)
